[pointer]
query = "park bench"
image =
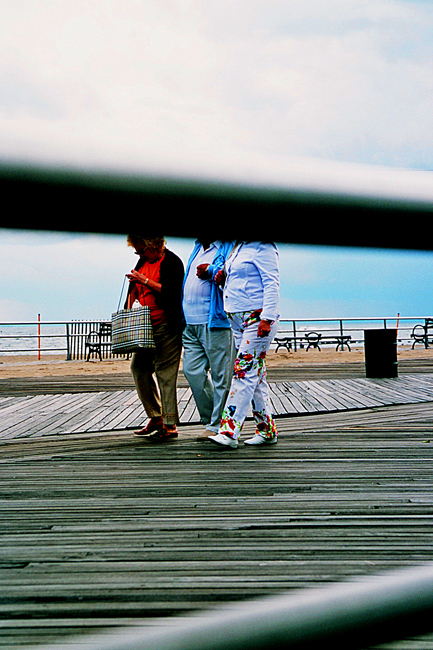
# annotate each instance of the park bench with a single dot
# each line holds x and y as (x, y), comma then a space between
(287, 342)
(315, 339)
(340, 340)
(96, 340)
(312, 340)
(423, 334)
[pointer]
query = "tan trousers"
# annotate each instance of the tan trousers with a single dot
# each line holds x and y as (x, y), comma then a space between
(163, 361)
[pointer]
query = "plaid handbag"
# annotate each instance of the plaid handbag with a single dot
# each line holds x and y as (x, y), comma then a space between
(131, 330)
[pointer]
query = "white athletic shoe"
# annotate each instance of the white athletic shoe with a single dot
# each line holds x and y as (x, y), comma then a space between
(221, 439)
(260, 440)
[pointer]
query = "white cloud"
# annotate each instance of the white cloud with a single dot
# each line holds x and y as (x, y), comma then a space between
(181, 84)
(353, 88)
(132, 80)
(16, 310)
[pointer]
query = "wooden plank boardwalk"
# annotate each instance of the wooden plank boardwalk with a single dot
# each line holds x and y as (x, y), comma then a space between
(112, 410)
(101, 529)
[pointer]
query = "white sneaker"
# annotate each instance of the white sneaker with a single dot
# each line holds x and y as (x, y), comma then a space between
(221, 439)
(260, 440)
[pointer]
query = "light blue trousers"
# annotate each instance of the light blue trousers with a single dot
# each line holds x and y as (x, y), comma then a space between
(208, 361)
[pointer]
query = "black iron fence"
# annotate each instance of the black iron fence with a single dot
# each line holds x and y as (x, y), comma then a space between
(70, 337)
(332, 328)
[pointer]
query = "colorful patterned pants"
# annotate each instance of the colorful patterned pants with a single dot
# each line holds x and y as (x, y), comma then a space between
(249, 385)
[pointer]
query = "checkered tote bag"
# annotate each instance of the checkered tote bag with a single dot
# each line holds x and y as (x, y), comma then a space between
(131, 330)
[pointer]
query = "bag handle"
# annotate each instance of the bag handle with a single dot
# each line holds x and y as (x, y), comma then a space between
(121, 293)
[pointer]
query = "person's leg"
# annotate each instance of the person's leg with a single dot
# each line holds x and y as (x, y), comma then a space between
(167, 358)
(196, 369)
(142, 368)
(262, 411)
(266, 430)
(221, 353)
(248, 384)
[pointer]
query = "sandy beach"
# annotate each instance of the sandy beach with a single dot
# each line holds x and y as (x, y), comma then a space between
(53, 365)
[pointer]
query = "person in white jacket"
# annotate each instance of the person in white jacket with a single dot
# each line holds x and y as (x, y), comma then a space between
(251, 294)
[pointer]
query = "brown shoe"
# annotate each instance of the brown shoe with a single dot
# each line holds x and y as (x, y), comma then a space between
(153, 425)
(163, 434)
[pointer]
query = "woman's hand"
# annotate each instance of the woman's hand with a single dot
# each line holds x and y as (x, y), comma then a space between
(264, 328)
(135, 276)
(220, 277)
(139, 278)
(202, 271)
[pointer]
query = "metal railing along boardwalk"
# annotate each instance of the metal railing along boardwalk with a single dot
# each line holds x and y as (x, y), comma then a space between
(349, 615)
(353, 327)
(53, 337)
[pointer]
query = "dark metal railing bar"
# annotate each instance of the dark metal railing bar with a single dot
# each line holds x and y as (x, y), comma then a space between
(347, 616)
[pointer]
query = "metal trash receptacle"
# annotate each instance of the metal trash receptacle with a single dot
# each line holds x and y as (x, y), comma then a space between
(380, 348)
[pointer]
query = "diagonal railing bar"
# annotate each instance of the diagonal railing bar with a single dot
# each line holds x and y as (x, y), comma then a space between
(347, 616)
(185, 206)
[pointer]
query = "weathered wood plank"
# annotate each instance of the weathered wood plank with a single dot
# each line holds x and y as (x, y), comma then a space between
(280, 403)
(295, 395)
(67, 413)
(123, 529)
(320, 398)
(115, 530)
(85, 411)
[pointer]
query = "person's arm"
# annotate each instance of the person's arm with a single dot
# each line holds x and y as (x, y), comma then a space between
(217, 269)
(140, 278)
(264, 328)
(267, 265)
(172, 275)
(203, 272)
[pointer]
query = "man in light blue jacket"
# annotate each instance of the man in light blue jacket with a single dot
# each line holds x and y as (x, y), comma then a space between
(209, 350)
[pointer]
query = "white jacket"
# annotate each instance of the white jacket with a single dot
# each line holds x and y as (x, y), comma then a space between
(253, 279)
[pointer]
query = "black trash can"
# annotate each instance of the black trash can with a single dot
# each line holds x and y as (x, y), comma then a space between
(380, 348)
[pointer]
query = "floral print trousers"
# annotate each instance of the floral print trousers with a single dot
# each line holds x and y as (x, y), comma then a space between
(249, 385)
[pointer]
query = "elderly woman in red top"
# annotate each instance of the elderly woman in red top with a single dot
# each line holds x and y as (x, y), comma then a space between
(157, 282)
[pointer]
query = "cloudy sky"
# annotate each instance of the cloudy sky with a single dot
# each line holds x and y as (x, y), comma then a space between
(65, 277)
(144, 82)
(176, 86)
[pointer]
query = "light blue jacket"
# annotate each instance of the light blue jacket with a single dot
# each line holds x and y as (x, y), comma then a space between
(217, 315)
(253, 279)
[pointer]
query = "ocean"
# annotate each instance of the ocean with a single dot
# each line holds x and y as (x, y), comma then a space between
(24, 339)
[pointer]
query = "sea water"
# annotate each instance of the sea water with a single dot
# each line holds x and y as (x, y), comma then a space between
(24, 339)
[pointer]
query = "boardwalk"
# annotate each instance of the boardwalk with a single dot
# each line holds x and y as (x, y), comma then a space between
(102, 529)
(115, 410)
